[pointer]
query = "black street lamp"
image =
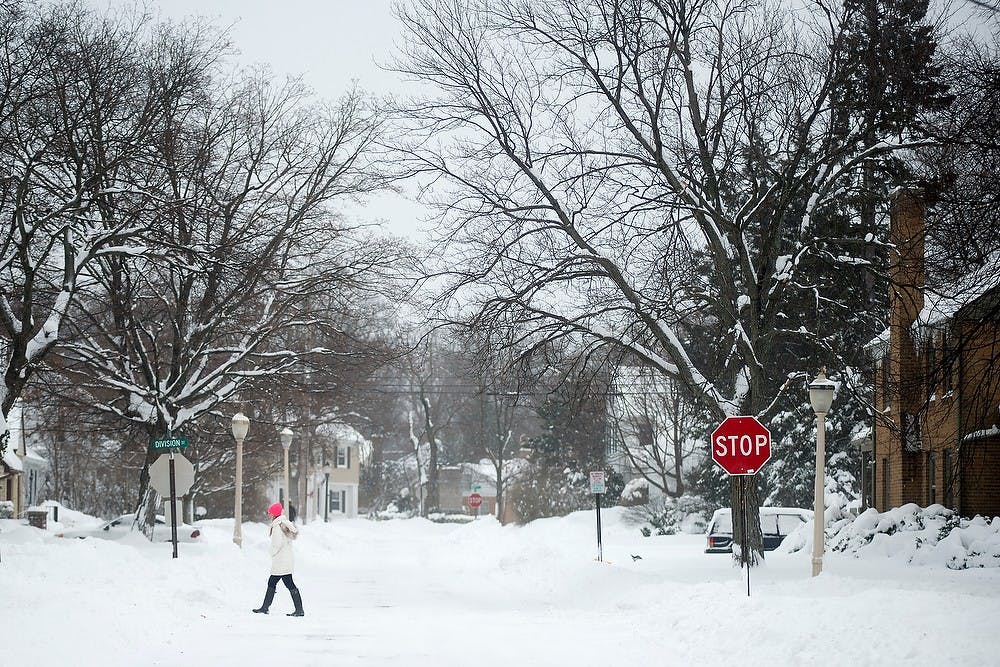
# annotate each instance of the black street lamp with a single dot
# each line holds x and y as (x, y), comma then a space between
(326, 502)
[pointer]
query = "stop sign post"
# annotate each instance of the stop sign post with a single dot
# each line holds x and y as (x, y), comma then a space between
(169, 475)
(741, 445)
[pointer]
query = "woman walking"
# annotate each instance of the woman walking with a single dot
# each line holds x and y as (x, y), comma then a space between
(283, 532)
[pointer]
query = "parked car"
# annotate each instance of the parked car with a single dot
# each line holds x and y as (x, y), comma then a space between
(122, 526)
(776, 523)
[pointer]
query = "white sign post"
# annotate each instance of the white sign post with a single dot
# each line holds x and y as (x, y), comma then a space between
(597, 488)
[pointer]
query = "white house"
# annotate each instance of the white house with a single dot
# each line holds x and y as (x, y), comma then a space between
(345, 451)
(24, 472)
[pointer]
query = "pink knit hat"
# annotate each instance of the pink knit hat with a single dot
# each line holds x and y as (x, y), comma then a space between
(275, 510)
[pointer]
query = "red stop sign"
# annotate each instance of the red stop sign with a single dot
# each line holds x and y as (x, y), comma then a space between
(475, 500)
(741, 445)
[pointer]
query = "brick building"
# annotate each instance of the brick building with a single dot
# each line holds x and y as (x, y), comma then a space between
(936, 435)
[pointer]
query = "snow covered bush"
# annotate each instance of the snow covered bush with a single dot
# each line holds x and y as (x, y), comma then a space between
(933, 535)
(668, 516)
(635, 492)
(544, 491)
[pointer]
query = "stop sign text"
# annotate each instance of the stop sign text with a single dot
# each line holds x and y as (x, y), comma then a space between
(741, 445)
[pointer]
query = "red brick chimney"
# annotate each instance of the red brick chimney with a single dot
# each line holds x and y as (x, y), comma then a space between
(906, 266)
(906, 300)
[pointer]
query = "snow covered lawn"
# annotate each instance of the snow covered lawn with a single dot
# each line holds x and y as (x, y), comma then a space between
(413, 593)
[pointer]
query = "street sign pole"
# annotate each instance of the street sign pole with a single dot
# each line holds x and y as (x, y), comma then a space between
(173, 504)
(743, 483)
(597, 488)
(600, 548)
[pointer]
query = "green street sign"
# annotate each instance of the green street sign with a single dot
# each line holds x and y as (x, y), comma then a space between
(168, 443)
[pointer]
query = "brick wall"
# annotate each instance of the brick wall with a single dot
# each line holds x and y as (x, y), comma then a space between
(950, 383)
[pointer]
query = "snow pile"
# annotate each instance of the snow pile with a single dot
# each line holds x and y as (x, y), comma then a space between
(933, 536)
(424, 594)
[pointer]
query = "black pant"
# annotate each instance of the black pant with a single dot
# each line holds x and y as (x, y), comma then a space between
(272, 581)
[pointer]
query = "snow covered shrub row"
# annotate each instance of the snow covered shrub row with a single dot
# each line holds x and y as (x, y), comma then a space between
(933, 535)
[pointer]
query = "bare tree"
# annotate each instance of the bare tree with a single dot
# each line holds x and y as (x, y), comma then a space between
(80, 102)
(242, 238)
(502, 384)
(655, 424)
(639, 172)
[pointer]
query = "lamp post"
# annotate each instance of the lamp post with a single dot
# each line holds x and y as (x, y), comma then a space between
(240, 426)
(326, 498)
(286, 442)
(820, 396)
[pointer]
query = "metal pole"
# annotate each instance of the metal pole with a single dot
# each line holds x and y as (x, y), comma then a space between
(600, 548)
(326, 500)
(238, 514)
(818, 509)
(746, 539)
(173, 504)
(288, 489)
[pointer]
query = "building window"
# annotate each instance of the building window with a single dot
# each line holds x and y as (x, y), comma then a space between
(343, 457)
(947, 362)
(931, 478)
(911, 433)
(885, 485)
(867, 480)
(335, 501)
(949, 479)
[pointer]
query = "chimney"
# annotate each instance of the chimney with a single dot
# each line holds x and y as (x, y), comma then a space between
(906, 300)
(906, 266)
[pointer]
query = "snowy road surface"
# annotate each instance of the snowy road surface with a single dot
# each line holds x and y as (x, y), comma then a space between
(414, 594)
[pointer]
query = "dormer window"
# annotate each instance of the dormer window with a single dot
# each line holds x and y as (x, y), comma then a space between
(343, 458)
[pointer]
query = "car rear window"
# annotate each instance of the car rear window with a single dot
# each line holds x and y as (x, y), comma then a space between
(789, 522)
(723, 524)
(769, 524)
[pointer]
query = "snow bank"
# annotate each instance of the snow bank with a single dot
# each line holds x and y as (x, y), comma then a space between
(933, 536)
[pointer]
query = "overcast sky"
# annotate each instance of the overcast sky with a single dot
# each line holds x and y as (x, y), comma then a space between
(330, 43)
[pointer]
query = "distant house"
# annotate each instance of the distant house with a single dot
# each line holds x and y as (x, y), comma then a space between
(11, 470)
(457, 483)
(937, 371)
(346, 450)
(23, 471)
(648, 432)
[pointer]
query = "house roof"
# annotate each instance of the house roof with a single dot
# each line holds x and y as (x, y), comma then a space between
(944, 304)
(12, 460)
(33, 458)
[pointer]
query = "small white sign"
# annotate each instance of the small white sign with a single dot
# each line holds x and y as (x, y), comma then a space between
(597, 481)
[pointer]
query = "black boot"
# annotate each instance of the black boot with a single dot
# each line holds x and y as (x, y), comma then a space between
(297, 599)
(268, 598)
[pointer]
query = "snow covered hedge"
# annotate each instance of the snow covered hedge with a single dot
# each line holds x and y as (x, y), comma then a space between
(933, 535)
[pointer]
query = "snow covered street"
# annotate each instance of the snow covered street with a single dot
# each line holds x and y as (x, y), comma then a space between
(416, 593)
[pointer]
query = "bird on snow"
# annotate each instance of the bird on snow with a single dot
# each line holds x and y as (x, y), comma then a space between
(636, 557)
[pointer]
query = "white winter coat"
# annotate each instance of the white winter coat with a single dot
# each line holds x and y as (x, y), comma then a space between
(282, 558)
